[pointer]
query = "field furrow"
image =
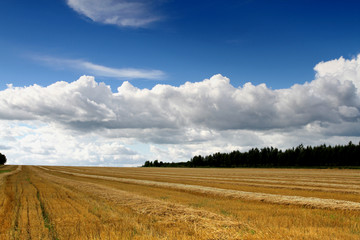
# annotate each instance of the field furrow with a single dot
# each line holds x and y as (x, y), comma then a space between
(318, 185)
(138, 203)
(204, 224)
(295, 185)
(21, 213)
(321, 175)
(263, 197)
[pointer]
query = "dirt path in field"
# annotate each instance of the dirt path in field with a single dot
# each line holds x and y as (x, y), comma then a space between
(170, 214)
(311, 202)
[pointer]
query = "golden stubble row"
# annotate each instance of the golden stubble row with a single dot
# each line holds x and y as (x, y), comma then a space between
(164, 220)
(36, 205)
(313, 181)
(315, 185)
(306, 175)
(42, 204)
(318, 182)
(20, 214)
(257, 196)
(267, 221)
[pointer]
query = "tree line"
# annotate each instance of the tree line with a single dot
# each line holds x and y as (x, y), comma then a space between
(313, 157)
(2, 159)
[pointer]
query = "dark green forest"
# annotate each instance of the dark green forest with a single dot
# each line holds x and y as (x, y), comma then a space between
(323, 156)
(2, 159)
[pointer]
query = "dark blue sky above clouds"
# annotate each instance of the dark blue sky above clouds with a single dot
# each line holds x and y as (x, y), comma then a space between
(274, 42)
(119, 82)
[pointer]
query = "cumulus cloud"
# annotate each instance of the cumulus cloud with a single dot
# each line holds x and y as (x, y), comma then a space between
(194, 118)
(99, 70)
(341, 69)
(211, 104)
(46, 144)
(123, 13)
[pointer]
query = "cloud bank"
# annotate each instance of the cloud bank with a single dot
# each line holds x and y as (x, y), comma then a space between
(194, 118)
(332, 98)
(122, 13)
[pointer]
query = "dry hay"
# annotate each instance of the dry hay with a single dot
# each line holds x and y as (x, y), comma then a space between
(20, 211)
(5, 175)
(170, 214)
(318, 181)
(311, 202)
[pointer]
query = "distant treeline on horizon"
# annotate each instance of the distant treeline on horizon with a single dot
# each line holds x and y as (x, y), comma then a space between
(319, 156)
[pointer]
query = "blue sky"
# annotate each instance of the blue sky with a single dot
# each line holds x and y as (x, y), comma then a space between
(165, 57)
(273, 42)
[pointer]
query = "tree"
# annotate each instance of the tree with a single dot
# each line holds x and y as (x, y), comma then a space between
(197, 161)
(2, 159)
(318, 156)
(147, 164)
(156, 163)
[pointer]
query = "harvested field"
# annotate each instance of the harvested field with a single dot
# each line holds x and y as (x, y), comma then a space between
(167, 203)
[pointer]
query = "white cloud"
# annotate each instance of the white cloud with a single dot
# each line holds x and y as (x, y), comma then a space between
(341, 69)
(4, 147)
(178, 122)
(123, 13)
(47, 144)
(99, 70)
